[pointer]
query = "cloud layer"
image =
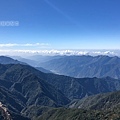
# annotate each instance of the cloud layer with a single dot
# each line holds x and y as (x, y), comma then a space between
(60, 52)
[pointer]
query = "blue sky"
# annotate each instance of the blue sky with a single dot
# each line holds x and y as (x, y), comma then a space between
(60, 24)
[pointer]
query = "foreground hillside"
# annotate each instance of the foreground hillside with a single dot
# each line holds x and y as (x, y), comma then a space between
(98, 102)
(78, 114)
(5, 114)
(98, 107)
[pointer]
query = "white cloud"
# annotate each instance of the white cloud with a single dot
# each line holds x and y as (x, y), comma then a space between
(25, 45)
(8, 45)
(36, 44)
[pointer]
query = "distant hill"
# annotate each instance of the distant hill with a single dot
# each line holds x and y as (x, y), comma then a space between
(25, 60)
(84, 66)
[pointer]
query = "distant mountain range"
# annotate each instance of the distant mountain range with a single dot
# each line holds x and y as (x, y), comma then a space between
(28, 92)
(84, 66)
(77, 66)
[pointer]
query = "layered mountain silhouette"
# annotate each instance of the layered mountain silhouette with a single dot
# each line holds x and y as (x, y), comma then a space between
(28, 92)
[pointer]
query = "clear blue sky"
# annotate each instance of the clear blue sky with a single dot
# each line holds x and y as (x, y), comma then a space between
(61, 24)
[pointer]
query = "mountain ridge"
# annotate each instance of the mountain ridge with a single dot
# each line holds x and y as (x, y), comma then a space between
(85, 66)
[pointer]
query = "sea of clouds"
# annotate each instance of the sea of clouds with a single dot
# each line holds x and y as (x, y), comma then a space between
(60, 52)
